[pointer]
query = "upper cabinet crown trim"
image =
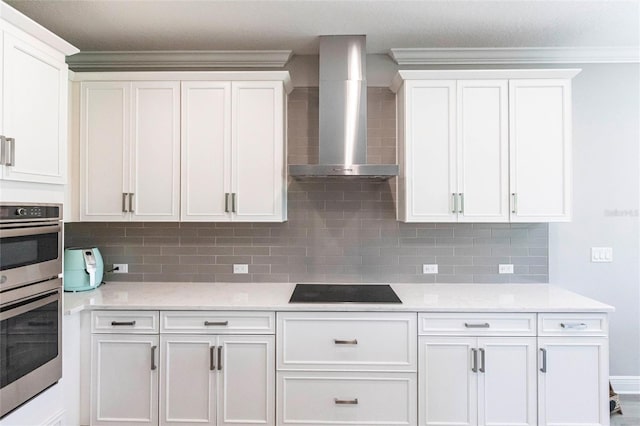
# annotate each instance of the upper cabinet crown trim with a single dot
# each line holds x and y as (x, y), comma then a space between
(488, 74)
(178, 59)
(515, 55)
(31, 27)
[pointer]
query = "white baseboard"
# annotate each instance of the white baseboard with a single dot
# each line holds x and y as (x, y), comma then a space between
(625, 384)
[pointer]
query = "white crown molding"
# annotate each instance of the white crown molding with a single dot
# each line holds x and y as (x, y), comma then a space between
(178, 60)
(516, 55)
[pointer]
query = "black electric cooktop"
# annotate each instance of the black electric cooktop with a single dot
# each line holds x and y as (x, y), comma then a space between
(344, 293)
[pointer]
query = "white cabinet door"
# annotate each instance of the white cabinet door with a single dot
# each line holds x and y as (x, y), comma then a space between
(540, 136)
(258, 183)
(206, 151)
(34, 112)
(246, 393)
(188, 380)
(124, 379)
(573, 381)
(104, 151)
(429, 151)
(155, 151)
(507, 381)
(483, 151)
(447, 386)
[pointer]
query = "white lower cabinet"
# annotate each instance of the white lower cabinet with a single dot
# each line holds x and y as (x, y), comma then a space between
(217, 380)
(477, 369)
(124, 379)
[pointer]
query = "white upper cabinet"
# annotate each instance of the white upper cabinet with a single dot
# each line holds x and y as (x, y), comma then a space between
(540, 134)
(233, 151)
(130, 150)
(33, 111)
(484, 146)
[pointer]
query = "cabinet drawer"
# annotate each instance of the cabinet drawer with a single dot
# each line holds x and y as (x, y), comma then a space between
(578, 324)
(140, 322)
(347, 341)
(481, 324)
(346, 399)
(217, 322)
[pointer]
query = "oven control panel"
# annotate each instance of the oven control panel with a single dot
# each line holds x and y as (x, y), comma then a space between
(29, 212)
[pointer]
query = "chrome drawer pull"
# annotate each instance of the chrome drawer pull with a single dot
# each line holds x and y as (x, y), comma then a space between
(208, 323)
(345, 342)
(471, 325)
(573, 325)
(154, 366)
(117, 323)
(474, 360)
(345, 401)
(543, 367)
(212, 358)
(481, 369)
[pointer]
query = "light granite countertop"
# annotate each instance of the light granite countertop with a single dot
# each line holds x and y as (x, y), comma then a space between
(275, 297)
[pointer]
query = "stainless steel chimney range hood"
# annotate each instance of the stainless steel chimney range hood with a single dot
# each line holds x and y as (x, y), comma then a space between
(343, 115)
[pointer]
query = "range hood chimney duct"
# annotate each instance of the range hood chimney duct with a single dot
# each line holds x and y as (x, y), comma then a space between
(343, 114)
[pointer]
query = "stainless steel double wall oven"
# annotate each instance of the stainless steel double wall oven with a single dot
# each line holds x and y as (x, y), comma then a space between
(30, 301)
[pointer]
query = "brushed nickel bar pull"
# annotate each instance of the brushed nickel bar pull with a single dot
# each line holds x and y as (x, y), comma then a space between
(153, 357)
(208, 323)
(226, 202)
(233, 202)
(455, 202)
(573, 325)
(117, 323)
(474, 360)
(345, 401)
(543, 368)
(131, 194)
(212, 358)
(514, 202)
(3, 150)
(345, 342)
(461, 195)
(12, 155)
(219, 357)
(481, 369)
(124, 202)
(472, 325)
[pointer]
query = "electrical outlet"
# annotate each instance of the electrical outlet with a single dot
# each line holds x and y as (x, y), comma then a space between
(123, 268)
(430, 268)
(601, 254)
(240, 268)
(505, 268)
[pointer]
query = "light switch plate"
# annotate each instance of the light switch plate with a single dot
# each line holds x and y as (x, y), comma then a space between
(123, 268)
(240, 268)
(505, 268)
(430, 268)
(602, 254)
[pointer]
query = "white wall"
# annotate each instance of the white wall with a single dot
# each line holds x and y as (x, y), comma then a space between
(606, 190)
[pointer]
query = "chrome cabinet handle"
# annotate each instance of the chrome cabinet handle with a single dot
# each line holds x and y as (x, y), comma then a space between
(481, 369)
(3, 150)
(131, 194)
(212, 358)
(474, 360)
(454, 202)
(543, 368)
(226, 202)
(514, 202)
(233, 202)
(345, 401)
(461, 195)
(345, 342)
(219, 357)
(573, 325)
(12, 152)
(124, 202)
(153, 357)
(472, 325)
(117, 323)
(208, 323)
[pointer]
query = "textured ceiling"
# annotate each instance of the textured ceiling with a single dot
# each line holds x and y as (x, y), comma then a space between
(101, 25)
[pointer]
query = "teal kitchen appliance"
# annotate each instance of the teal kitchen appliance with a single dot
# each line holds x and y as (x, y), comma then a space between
(83, 268)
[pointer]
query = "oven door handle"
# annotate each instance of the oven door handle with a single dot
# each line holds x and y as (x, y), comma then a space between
(21, 306)
(31, 230)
